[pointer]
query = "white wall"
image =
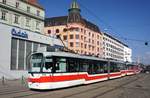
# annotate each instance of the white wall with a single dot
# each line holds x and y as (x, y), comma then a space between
(22, 9)
(112, 42)
(127, 54)
(5, 49)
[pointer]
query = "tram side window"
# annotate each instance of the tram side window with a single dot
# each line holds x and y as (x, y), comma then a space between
(91, 69)
(72, 65)
(114, 67)
(129, 67)
(100, 67)
(84, 66)
(61, 65)
(121, 66)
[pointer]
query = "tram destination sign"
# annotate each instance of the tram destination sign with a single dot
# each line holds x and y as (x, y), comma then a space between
(19, 33)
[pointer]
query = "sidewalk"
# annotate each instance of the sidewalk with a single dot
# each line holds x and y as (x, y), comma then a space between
(16, 83)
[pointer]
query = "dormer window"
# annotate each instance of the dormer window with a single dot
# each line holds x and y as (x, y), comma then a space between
(49, 31)
(17, 4)
(38, 13)
(4, 1)
(57, 30)
(4, 15)
(28, 9)
(16, 19)
(37, 25)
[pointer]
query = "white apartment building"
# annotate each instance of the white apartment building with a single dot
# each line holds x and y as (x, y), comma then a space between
(127, 54)
(113, 48)
(21, 33)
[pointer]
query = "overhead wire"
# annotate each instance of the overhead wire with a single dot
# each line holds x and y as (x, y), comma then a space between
(111, 28)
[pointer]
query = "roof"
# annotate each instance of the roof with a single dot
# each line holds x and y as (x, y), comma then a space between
(115, 39)
(72, 55)
(56, 21)
(33, 4)
(62, 20)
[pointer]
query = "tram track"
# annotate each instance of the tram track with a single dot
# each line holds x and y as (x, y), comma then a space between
(118, 87)
(12, 92)
(105, 92)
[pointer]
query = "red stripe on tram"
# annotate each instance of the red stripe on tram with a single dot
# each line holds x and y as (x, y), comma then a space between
(65, 78)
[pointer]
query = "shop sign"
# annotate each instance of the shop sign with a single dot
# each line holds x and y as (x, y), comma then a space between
(19, 33)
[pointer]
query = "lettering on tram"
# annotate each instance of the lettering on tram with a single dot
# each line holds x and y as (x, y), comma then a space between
(52, 70)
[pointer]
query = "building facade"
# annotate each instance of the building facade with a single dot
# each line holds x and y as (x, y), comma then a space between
(113, 48)
(127, 54)
(81, 36)
(21, 29)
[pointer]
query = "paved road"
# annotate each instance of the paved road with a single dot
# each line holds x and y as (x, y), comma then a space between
(137, 86)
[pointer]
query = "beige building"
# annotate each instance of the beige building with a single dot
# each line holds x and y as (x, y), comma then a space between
(80, 35)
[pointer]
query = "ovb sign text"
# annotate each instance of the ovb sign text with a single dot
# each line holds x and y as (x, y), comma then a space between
(19, 33)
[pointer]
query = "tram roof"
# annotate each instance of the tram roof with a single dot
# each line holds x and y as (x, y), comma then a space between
(72, 55)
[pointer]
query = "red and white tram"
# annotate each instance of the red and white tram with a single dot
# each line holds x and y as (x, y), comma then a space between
(52, 70)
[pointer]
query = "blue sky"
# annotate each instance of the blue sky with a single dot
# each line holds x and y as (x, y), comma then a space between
(122, 18)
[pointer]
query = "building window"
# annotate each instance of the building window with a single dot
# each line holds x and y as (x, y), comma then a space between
(65, 37)
(97, 42)
(77, 36)
(85, 46)
(84, 32)
(97, 49)
(81, 30)
(17, 4)
(89, 40)
(38, 13)
(57, 30)
(49, 31)
(13, 54)
(28, 22)
(92, 35)
(64, 30)
(16, 19)
(97, 36)
(71, 44)
(3, 17)
(4, 1)
(81, 37)
(84, 39)
(89, 47)
(20, 51)
(37, 25)
(89, 33)
(71, 36)
(21, 55)
(77, 44)
(92, 41)
(28, 9)
(92, 48)
(81, 45)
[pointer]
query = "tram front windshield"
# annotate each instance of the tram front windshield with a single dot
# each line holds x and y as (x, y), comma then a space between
(36, 62)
